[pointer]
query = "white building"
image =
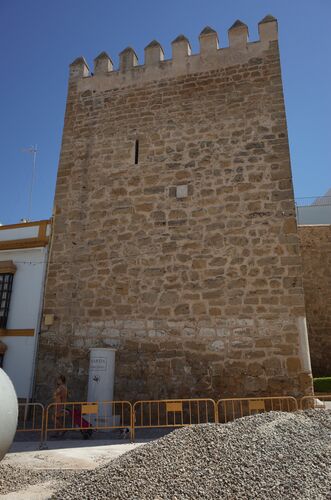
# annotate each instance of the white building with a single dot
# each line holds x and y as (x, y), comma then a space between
(23, 261)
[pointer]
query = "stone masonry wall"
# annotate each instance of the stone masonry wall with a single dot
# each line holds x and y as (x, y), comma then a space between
(202, 294)
(316, 257)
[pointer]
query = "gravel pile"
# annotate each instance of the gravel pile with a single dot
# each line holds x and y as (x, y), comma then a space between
(17, 478)
(269, 456)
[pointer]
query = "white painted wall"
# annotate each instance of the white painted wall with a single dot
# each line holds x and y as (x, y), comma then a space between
(19, 233)
(24, 313)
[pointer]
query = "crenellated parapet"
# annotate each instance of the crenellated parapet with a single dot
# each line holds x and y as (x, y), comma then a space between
(155, 66)
(79, 68)
(128, 59)
(238, 35)
(208, 41)
(153, 53)
(268, 28)
(103, 63)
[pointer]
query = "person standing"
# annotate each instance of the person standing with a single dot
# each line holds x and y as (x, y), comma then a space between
(60, 396)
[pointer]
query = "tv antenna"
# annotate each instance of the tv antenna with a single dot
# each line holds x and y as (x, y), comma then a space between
(33, 151)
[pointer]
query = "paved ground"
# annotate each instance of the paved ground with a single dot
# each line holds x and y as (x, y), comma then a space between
(72, 455)
(66, 454)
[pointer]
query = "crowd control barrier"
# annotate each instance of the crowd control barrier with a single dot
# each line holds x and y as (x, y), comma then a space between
(322, 401)
(31, 417)
(173, 413)
(87, 417)
(230, 409)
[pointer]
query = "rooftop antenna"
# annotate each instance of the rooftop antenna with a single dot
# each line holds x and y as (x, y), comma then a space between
(33, 151)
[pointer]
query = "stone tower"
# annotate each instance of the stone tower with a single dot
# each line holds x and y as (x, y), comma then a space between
(175, 237)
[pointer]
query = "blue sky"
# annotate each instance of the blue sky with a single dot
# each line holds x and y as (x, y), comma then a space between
(39, 38)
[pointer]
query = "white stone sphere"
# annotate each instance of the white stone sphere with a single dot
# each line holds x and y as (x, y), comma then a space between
(8, 413)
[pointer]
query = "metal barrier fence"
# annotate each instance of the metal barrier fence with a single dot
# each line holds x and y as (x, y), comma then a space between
(322, 401)
(168, 413)
(172, 413)
(31, 417)
(313, 201)
(88, 417)
(230, 409)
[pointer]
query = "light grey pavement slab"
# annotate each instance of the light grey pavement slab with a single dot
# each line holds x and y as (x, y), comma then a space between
(60, 455)
(66, 454)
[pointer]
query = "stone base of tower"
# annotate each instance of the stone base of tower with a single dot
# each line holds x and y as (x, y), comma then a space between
(169, 359)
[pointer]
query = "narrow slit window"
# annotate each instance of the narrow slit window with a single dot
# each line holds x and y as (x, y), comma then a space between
(136, 152)
(6, 284)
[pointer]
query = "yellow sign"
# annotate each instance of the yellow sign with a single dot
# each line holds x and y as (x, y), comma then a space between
(90, 409)
(174, 406)
(257, 405)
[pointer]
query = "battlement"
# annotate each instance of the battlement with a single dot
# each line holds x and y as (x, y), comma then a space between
(183, 61)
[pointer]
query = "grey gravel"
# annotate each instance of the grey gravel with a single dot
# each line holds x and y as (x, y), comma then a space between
(18, 478)
(268, 456)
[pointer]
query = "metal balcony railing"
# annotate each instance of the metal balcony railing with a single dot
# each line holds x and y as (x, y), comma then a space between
(313, 201)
